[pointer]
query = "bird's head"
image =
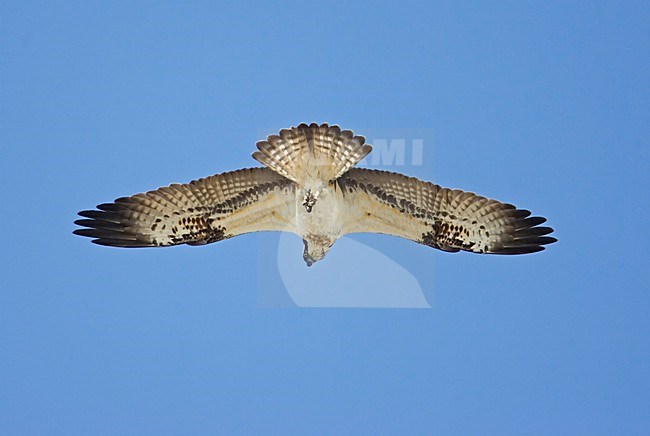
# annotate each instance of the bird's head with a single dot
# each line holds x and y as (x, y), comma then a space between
(316, 248)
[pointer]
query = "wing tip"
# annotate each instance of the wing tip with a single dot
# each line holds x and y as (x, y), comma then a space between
(104, 229)
(527, 237)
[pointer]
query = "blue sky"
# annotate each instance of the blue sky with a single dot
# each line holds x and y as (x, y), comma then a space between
(545, 105)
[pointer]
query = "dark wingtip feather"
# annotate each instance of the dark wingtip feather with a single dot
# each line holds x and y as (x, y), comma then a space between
(526, 237)
(107, 226)
(109, 207)
(99, 224)
(100, 215)
(532, 231)
(122, 243)
(533, 221)
(526, 249)
(80, 232)
(89, 213)
(545, 240)
(104, 233)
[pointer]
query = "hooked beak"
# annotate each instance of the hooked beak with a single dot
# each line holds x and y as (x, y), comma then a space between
(305, 255)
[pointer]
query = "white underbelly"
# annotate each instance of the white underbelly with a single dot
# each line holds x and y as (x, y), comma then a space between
(323, 220)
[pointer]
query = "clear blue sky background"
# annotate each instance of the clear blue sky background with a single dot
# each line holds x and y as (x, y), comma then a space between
(543, 104)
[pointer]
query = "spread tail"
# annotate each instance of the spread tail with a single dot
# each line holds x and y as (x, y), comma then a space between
(309, 151)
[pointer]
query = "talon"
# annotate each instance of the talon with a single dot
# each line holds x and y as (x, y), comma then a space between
(310, 201)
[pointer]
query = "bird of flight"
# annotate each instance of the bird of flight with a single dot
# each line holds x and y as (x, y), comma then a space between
(309, 186)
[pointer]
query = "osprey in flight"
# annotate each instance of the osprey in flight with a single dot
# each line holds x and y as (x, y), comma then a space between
(309, 187)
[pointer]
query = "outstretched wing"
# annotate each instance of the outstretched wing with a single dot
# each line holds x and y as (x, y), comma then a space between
(200, 212)
(450, 220)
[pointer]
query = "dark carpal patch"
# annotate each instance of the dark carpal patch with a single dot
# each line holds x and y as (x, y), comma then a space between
(196, 228)
(448, 237)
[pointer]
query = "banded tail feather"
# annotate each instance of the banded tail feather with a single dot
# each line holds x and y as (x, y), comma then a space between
(309, 151)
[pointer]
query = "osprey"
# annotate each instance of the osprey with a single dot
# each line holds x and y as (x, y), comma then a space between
(309, 187)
